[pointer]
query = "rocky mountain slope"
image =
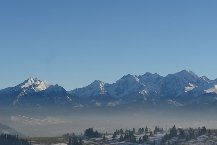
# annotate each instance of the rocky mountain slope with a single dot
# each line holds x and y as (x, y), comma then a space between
(184, 87)
(179, 89)
(34, 92)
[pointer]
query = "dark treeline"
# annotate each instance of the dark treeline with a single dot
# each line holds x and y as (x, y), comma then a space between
(177, 136)
(119, 135)
(6, 139)
(173, 136)
(75, 141)
(90, 133)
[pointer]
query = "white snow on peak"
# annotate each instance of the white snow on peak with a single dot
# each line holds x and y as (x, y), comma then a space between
(95, 88)
(212, 90)
(205, 78)
(190, 87)
(98, 85)
(34, 83)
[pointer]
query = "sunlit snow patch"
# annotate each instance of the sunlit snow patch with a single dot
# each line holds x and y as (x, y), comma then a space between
(190, 87)
(212, 90)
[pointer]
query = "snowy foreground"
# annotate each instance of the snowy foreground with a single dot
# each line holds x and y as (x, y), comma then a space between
(202, 140)
(200, 136)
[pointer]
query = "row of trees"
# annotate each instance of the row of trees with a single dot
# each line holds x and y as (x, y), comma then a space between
(145, 134)
(90, 133)
(129, 135)
(140, 131)
(183, 134)
(75, 141)
(6, 139)
(119, 135)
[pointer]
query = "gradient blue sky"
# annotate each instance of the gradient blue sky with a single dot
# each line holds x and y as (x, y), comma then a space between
(72, 43)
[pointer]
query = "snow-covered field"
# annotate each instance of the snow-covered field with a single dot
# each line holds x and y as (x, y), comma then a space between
(203, 140)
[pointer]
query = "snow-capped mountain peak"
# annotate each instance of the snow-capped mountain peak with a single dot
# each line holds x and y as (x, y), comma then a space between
(183, 87)
(34, 92)
(95, 88)
(205, 79)
(100, 85)
(35, 84)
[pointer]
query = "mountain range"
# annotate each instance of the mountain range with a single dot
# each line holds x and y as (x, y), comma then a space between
(179, 89)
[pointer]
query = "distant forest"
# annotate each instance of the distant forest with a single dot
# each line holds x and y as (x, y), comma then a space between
(174, 136)
(6, 139)
(158, 136)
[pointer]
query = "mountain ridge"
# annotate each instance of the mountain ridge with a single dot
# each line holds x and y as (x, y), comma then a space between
(184, 87)
(31, 91)
(152, 86)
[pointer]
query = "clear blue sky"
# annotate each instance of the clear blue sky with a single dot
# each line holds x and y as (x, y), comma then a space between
(72, 43)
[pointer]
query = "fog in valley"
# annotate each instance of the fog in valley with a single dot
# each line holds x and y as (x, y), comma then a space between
(59, 121)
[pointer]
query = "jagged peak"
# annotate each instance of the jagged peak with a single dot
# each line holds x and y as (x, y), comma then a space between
(31, 79)
(186, 73)
(148, 74)
(35, 83)
(129, 76)
(97, 82)
(205, 78)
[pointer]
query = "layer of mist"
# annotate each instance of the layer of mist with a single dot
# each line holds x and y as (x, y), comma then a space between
(58, 121)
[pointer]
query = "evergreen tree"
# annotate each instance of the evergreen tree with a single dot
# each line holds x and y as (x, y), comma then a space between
(6, 139)
(145, 138)
(203, 130)
(121, 138)
(90, 133)
(104, 139)
(164, 139)
(143, 130)
(114, 135)
(191, 133)
(140, 140)
(121, 131)
(146, 129)
(151, 133)
(173, 131)
(134, 130)
(181, 133)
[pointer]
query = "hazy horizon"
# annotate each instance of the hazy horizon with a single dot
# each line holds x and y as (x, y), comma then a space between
(44, 122)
